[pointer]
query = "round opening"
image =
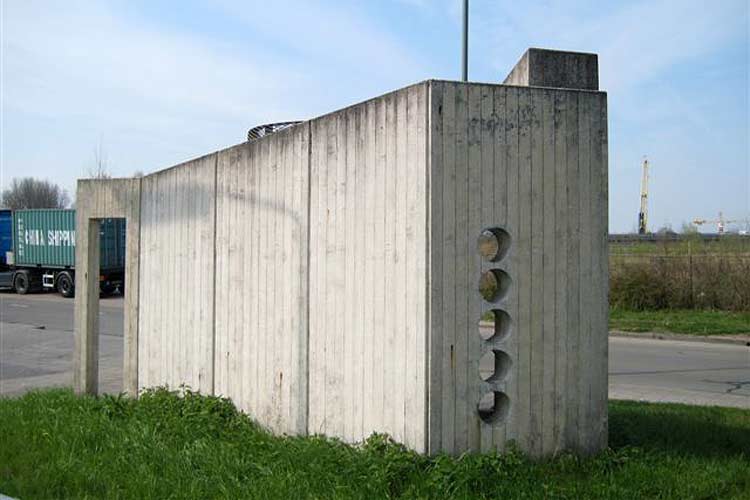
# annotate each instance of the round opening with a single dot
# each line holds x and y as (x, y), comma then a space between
(493, 244)
(493, 407)
(494, 366)
(494, 284)
(494, 325)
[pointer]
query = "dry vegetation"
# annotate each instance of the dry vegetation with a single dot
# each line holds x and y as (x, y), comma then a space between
(688, 274)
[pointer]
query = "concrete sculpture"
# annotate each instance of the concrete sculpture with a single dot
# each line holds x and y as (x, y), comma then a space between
(431, 264)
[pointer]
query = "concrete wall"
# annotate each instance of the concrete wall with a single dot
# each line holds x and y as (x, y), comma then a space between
(224, 259)
(177, 259)
(532, 161)
(325, 277)
(261, 278)
(368, 269)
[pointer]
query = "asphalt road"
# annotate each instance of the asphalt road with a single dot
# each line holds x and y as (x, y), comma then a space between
(36, 342)
(677, 371)
(36, 346)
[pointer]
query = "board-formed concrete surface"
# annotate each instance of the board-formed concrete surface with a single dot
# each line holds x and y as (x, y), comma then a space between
(556, 69)
(338, 278)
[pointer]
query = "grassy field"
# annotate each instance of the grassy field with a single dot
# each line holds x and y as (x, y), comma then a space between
(56, 445)
(689, 273)
(688, 321)
(689, 244)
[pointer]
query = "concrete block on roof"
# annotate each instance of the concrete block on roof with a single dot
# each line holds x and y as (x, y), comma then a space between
(556, 69)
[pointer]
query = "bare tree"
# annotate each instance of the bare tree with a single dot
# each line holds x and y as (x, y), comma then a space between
(100, 168)
(689, 228)
(34, 193)
(665, 229)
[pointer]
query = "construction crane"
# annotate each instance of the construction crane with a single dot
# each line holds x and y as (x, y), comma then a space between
(721, 222)
(643, 214)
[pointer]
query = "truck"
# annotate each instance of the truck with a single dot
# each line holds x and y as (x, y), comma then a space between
(37, 251)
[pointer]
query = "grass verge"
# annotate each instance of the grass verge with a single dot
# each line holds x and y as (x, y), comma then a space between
(687, 321)
(57, 445)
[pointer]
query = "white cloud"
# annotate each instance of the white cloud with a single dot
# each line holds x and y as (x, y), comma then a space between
(636, 41)
(79, 71)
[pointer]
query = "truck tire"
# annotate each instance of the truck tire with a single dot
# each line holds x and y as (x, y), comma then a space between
(65, 284)
(107, 289)
(22, 282)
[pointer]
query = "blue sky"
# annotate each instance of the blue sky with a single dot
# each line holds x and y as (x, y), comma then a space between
(156, 83)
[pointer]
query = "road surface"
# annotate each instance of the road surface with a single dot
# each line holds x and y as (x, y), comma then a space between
(36, 342)
(678, 371)
(36, 346)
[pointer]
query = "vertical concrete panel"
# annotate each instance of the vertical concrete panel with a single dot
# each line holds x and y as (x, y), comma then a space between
(176, 341)
(585, 273)
(448, 291)
(495, 152)
(86, 355)
(461, 189)
(352, 343)
(561, 239)
(393, 414)
(572, 331)
(416, 412)
(261, 262)
(147, 253)
(512, 265)
(549, 236)
(536, 332)
(132, 288)
(434, 251)
(523, 274)
(487, 133)
(367, 263)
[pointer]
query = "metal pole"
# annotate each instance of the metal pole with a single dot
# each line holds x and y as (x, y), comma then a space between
(465, 45)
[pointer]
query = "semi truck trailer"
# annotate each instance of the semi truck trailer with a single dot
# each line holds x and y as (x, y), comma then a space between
(37, 251)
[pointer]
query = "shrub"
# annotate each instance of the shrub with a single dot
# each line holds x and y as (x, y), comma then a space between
(644, 282)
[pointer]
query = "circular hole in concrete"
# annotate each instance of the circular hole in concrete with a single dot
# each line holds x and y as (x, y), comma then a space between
(493, 407)
(493, 244)
(494, 366)
(494, 285)
(494, 325)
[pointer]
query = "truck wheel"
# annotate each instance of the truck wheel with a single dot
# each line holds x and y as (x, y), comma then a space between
(22, 283)
(107, 289)
(65, 285)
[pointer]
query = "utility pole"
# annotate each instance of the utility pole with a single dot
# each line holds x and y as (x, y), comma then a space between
(465, 44)
(643, 214)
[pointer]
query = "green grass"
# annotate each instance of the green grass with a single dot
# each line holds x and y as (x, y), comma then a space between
(57, 445)
(688, 321)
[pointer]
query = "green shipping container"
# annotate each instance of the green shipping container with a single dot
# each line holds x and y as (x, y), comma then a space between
(47, 238)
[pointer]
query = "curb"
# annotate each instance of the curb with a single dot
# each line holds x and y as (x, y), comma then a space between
(742, 340)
